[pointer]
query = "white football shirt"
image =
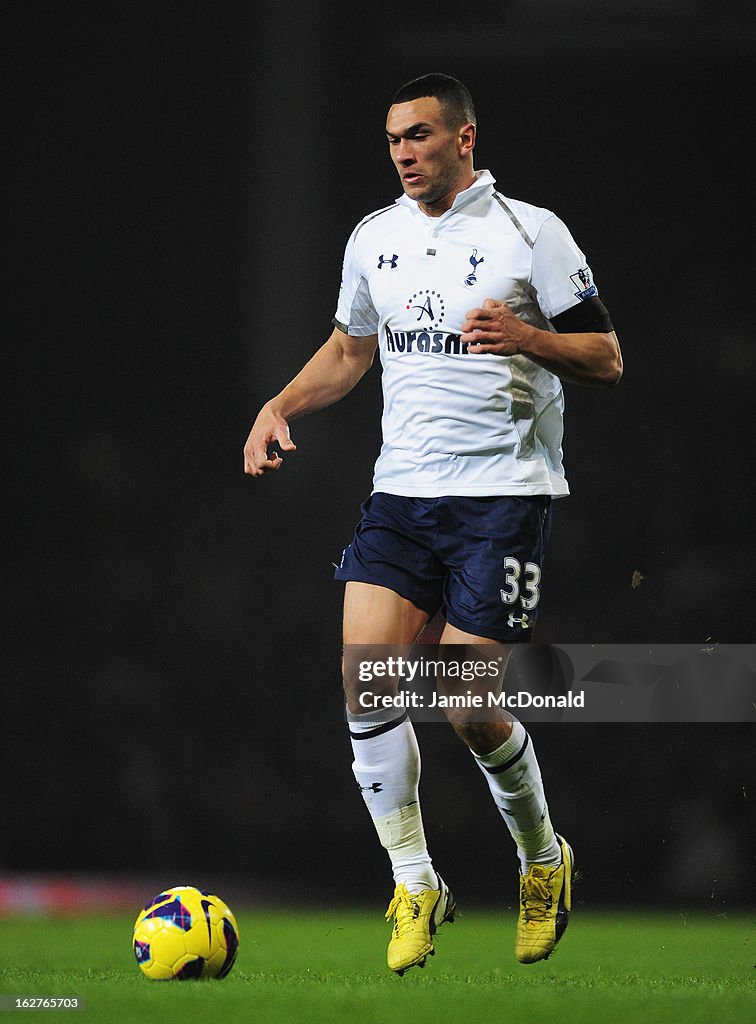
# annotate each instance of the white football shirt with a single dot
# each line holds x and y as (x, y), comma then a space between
(455, 422)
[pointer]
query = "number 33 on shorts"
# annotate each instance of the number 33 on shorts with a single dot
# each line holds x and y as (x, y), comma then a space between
(521, 582)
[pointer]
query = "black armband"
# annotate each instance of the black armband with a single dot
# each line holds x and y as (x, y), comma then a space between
(588, 316)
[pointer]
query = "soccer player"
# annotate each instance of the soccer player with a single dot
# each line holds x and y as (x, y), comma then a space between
(481, 306)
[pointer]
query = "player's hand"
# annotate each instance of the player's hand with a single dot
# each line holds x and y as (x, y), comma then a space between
(494, 328)
(269, 428)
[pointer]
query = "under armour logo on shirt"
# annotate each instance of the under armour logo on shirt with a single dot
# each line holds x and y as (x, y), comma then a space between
(392, 261)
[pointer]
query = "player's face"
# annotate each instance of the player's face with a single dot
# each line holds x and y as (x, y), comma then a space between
(433, 159)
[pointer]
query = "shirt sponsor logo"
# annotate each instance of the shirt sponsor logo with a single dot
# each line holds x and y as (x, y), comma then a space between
(434, 342)
(429, 304)
(431, 310)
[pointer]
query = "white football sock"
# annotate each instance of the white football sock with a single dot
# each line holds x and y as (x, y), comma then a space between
(514, 779)
(387, 769)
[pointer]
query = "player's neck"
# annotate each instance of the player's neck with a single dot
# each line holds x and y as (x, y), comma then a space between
(440, 206)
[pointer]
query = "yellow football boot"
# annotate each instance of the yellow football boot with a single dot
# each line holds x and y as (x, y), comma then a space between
(416, 918)
(545, 904)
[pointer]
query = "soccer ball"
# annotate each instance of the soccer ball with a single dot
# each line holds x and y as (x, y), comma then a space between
(185, 933)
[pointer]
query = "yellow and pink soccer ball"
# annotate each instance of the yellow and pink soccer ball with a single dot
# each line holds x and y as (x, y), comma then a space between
(185, 933)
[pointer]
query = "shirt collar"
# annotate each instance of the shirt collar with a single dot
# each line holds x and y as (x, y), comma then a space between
(483, 179)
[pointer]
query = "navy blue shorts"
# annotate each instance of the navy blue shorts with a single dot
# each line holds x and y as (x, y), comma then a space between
(477, 560)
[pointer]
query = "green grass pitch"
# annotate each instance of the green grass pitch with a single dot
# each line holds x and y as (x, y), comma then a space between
(322, 967)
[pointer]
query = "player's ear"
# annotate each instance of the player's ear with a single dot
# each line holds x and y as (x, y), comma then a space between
(466, 138)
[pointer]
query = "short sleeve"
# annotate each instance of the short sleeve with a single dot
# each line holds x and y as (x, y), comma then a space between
(355, 312)
(560, 273)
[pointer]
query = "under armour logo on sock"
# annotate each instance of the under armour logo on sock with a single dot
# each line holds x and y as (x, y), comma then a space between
(374, 787)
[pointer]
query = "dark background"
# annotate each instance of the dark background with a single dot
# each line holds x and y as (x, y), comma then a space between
(184, 181)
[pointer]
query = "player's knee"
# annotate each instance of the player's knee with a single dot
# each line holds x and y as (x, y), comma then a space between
(480, 736)
(362, 696)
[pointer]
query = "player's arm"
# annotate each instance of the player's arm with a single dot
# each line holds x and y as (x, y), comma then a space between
(579, 357)
(331, 373)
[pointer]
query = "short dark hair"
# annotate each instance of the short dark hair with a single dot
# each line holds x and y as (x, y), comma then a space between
(453, 96)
